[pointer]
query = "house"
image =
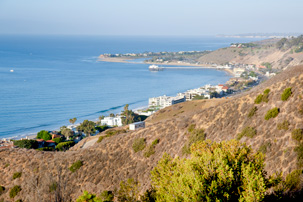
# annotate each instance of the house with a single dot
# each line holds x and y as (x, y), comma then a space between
(55, 136)
(50, 143)
(165, 101)
(137, 125)
(112, 121)
(225, 89)
(41, 143)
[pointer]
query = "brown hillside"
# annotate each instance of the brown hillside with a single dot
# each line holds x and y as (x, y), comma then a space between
(279, 59)
(113, 160)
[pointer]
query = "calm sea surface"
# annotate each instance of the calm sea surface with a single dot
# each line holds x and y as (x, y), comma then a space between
(56, 78)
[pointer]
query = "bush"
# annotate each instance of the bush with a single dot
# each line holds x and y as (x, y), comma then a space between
(14, 191)
(28, 144)
(252, 112)
(299, 150)
(248, 132)
(151, 149)
(226, 171)
(263, 148)
(286, 94)
(2, 189)
(76, 166)
(110, 133)
(259, 99)
(63, 146)
(87, 197)
(293, 179)
(297, 134)
(194, 136)
(100, 139)
(129, 190)
(17, 175)
(191, 128)
(57, 140)
(139, 144)
(53, 187)
(272, 113)
(107, 196)
(46, 149)
(266, 91)
(149, 196)
(283, 126)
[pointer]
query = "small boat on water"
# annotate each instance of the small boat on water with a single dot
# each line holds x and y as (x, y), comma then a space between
(155, 68)
(11, 70)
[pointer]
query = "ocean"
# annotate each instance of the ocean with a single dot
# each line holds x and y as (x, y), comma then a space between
(56, 78)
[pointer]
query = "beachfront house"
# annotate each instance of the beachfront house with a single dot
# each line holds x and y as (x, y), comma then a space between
(137, 125)
(165, 101)
(112, 121)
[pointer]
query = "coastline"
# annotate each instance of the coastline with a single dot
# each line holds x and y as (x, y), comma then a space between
(128, 60)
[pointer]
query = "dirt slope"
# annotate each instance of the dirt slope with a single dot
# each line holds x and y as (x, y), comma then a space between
(113, 160)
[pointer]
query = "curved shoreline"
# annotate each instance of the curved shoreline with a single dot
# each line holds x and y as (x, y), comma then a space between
(128, 60)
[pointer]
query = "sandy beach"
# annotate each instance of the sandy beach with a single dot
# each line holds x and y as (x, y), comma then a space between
(181, 64)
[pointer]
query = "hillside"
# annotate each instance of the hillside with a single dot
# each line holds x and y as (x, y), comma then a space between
(264, 52)
(106, 163)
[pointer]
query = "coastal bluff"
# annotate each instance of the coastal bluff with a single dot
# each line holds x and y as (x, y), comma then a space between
(107, 163)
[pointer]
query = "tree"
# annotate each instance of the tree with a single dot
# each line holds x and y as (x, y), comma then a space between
(101, 117)
(67, 133)
(28, 144)
(88, 127)
(226, 171)
(73, 120)
(45, 135)
(129, 191)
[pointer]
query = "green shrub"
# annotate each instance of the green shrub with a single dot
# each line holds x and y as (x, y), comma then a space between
(53, 187)
(100, 139)
(252, 112)
(194, 136)
(28, 144)
(107, 196)
(17, 175)
(63, 146)
(293, 179)
(151, 148)
(110, 133)
(266, 91)
(14, 191)
(299, 150)
(149, 196)
(2, 189)
(286, 94)
(263, 148)
(139, 144)
(191, 128)
(129, 190)
(76, 166)
(248, 132)
(155, 142)
(297, 134)
(87, 197)
(57, 140)
(272, 113)
(283, 125)
(46, 149)
(226, 171)
(258, 99)
(43, 134)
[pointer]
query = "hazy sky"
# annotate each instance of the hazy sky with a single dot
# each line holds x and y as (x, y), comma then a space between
(150, 17)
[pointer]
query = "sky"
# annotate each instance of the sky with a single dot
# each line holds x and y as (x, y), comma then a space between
(150, 17)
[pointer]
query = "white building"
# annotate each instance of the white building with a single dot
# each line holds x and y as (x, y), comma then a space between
(238, 71)
(165, 101)
(137, 125)
(112, 121)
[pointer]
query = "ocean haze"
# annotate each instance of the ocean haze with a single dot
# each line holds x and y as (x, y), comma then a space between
(56, 78)
(142, 17)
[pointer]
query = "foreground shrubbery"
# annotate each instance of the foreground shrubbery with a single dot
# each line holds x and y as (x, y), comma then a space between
(28, 144)
(226, 171)
(63, 146)
(151, 148)
(14, 191)
(262, 97)
(17, 175)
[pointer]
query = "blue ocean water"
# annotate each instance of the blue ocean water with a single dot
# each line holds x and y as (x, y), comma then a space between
(56, 78)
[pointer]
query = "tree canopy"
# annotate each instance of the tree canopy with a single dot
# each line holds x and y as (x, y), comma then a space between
(43, 134)
(88, 127)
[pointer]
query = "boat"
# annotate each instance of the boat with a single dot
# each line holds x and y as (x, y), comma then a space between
(155, 68)
(11, 70)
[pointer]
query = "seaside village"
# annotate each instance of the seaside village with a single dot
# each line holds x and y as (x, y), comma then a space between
(245, 77)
